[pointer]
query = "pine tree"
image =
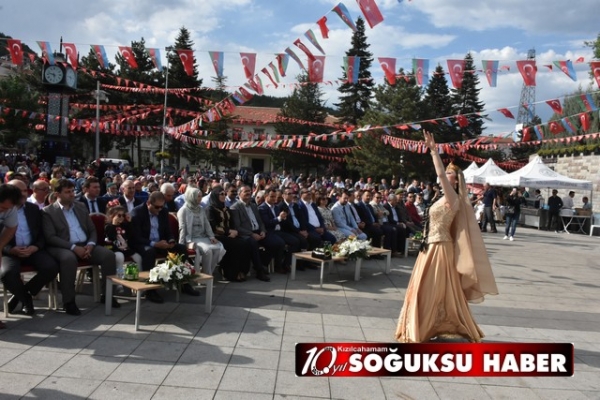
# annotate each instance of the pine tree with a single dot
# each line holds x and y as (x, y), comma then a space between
(178, 78)
(466, 101)
(438, 104)
(305, 104)
(355, 98)
(392, 106)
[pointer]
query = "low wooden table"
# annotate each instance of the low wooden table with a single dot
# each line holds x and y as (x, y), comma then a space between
(140, 286)
(307, 256)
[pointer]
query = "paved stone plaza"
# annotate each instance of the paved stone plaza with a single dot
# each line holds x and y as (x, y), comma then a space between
(549, 292)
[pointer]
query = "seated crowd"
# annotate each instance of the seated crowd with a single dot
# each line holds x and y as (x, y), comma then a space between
(231, 228)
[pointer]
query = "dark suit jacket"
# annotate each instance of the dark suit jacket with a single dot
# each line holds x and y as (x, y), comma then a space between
(241, 221)
(391, 215)
(100, 203)
(33, 215)
(365, 212)
(304, 216)
(287, 225)
(56, 228)
(140, 227)
(136, 201)
(267, 217)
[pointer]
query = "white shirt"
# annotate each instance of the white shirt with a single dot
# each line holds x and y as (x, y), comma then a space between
(31, 199)
(568, 202)
(313, 219)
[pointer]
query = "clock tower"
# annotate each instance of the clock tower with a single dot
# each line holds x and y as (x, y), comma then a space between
(60, 79)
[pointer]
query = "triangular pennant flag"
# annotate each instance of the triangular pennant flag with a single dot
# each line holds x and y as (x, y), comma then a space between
(100, 53)
(275, 72)
(217, 61)
(266, 72)
(538, 132)
(588, 102)
(343, 13)
(15, 49)
(567, 68)
(490, 68)
(568, 124)
(421, 70)
(187, 59)
(47, 52)
(555, 105)
(310, 35)
(506, 112)
(352, 67)
(323, 27)
(528, 69)
(282, 62)
(371, 12)
(294, 57)
(555, 127)
(155, 57)
(127, 54)
(584, 118)
(388, 64)
(71, 53)
(305, 49)
(249, 63)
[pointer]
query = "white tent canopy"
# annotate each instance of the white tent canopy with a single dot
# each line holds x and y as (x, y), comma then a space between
(487, 170)
(536, 174)
(470, 169)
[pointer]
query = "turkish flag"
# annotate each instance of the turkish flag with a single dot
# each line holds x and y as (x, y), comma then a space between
(579, 60)
(388, 64)
(71, 53)
(584, 118)
(127, 53)
(526, 135)
(556, 127)
(555, 105)
(187, 59)
(316, 68)
(528, 69)
(462, 121)
(370, 11)
(595, 65)
(305, 49)
(323, 27)
(456, 70)
(16, 51)
(249, 63)
(506, 112)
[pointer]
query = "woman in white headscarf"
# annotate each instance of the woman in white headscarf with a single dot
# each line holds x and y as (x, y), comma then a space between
(195, 232)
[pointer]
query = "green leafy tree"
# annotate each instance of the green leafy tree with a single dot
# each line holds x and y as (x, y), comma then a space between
(355, 97)
(18, 95)
(466, 101)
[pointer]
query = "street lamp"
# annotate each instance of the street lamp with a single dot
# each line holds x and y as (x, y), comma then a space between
(164, 126)
(100, 95)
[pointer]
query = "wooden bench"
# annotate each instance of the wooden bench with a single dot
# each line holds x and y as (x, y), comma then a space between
(140, 286)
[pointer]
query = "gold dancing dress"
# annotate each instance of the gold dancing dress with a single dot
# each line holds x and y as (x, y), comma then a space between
(437, 296)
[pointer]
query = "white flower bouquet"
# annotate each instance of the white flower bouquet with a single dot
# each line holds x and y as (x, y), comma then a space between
(352, 248)
(172, 273)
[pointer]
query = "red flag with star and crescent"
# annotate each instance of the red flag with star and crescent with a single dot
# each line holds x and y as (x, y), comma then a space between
(316, 68)
(555, 127)
(127, 53)
(584, 118)
(528, 69)
(16, 51)
(555, 105)
(595, 65)
(71, 53)
(371, 12)
(456, 69)
(506, 112)
(187, 59)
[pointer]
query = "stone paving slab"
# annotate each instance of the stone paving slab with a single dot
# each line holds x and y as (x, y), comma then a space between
(244, 349)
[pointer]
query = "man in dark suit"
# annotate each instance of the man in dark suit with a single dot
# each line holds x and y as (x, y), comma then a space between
(151, 237)
(313, 220)
(272, 218)
(128, 199)
(367, 215)
(26, 247)
(70, 237)
(294, 223)
(91, 196)
(245, 218)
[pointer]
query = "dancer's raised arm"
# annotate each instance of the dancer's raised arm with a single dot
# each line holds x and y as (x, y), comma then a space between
(449, 190)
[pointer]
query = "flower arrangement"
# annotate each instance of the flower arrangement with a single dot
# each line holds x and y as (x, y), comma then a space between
(172, 273)
(352, 248)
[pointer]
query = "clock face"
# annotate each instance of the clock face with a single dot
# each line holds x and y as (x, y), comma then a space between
(71, 78)
(53, 74)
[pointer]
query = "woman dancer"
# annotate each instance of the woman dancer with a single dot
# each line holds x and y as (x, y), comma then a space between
(452, 269)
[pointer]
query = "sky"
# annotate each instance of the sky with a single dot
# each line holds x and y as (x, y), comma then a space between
(437, 30)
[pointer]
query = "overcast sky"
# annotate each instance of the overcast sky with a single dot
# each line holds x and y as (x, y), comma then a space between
(437, 30)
